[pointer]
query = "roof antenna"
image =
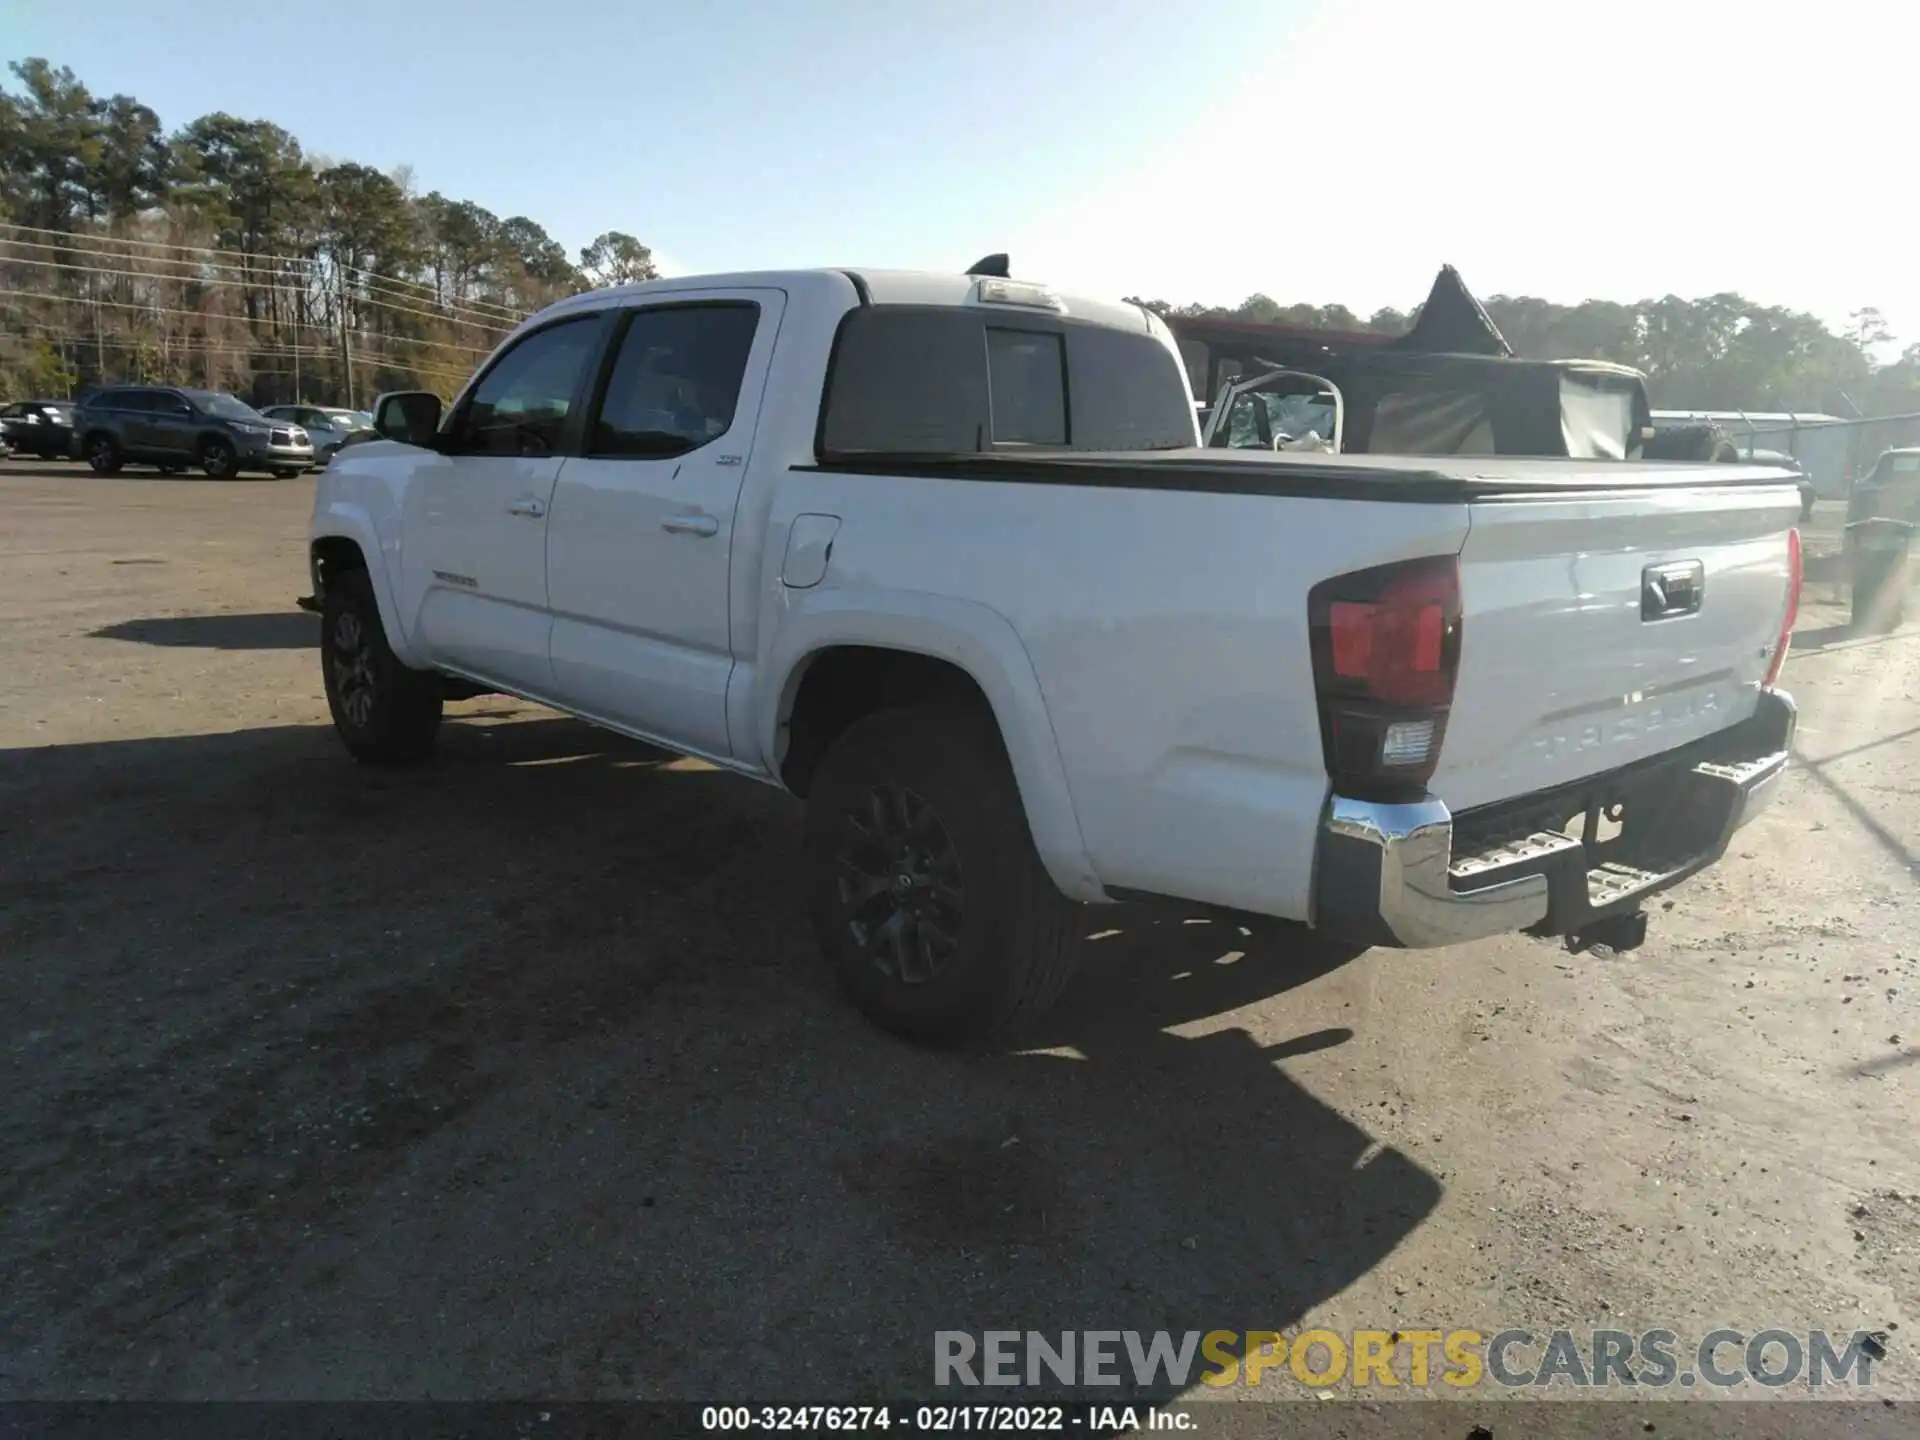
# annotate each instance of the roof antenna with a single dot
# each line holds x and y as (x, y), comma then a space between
(994, 265)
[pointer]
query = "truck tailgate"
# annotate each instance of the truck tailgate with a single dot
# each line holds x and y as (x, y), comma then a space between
(1605, 628)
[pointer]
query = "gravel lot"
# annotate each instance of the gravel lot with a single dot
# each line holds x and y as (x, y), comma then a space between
(518, 1075)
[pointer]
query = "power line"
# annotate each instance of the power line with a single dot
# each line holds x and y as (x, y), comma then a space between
(375, 302)
(178, 349)
(376, 335)
(90, 237)
(81, 339)
(310, 347)
(242, 285)
(257, 261)
(394, 282)
(207, 345)
(261, 276)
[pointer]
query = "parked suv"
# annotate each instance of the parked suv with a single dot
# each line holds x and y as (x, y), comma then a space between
(172, 428)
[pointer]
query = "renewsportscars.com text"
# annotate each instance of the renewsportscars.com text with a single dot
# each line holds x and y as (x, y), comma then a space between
(1417, 1359)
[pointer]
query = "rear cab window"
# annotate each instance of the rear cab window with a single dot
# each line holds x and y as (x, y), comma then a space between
(935, 380)
(1026, 386)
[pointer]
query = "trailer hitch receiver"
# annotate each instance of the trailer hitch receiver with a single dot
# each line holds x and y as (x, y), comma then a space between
(1619, 933)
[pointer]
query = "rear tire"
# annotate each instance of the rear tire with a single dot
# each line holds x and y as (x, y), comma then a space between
(923, 884)
(103, 454)
(385, 713)
(219, 459)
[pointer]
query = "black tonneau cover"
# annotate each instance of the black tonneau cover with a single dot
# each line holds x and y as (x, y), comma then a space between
(1400, 479)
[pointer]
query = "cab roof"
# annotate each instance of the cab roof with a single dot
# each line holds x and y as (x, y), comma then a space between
(857, 285)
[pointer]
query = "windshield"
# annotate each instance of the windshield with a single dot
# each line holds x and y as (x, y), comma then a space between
(225, 406)
(350, 419)
(1260, 418)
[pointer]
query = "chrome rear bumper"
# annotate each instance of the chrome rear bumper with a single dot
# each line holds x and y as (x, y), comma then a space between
(1416, 876)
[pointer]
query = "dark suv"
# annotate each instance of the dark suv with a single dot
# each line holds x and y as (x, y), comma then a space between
(38, 427)
(172, 428)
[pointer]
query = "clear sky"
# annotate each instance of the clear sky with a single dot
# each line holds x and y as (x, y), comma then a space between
(1184, 149)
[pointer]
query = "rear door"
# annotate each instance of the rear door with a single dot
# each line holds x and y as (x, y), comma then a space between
(643, 520)
(1605, 628)
(474, 554)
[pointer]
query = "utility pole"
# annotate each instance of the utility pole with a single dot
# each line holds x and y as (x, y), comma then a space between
(346, 345)
(293, 306)
(99, 332)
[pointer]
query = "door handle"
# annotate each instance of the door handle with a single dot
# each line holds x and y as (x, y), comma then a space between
(529, 507)
(697, 523)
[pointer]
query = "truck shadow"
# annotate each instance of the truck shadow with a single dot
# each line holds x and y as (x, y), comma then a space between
(276, 630)
(517, 1075)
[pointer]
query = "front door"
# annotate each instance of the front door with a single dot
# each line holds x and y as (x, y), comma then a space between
(176, 427)
(474, 542)
(643, 519)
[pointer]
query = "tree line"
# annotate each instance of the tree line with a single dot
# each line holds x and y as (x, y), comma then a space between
(224, 254)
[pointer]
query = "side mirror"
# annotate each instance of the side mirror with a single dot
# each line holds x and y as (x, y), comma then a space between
(410, 416)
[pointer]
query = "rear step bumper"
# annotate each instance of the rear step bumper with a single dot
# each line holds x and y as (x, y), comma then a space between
(1416, 876)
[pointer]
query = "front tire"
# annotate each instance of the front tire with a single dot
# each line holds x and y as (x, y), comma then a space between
(385, 713)
(103, 454)
(219, 459)
(923, 884)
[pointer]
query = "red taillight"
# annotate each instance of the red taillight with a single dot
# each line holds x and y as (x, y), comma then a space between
(1386, 647)
(1787, 621)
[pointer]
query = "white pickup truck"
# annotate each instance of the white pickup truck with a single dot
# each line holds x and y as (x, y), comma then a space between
(942, 555)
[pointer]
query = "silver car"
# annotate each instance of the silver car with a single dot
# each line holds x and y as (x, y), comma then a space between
(328, 427)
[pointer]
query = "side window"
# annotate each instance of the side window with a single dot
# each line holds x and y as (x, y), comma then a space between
(520, 405)
(13, 411)
(676, 380)
(1026, 382)
(141, 402)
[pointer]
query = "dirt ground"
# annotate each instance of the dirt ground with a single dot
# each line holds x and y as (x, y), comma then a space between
(517, 1075)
